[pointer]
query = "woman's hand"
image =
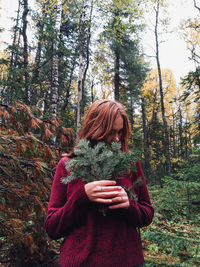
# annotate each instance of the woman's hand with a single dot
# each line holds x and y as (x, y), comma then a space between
(121, 201)
(107, 192)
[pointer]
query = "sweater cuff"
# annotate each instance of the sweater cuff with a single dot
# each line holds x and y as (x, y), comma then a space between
(81, 196)
(133, 204)
(133, 209)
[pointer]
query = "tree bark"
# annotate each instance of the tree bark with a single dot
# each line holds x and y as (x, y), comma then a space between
(180, 132)
(149, 173)
(81, 68)
(80, 95)
(89, 23)
(9, 95)
(68, 86)
(116, 76)
(24, 34)
(131, 112)
(92, 90)
(166, 135)
(54, 67)
(174, 137)
(35, 77)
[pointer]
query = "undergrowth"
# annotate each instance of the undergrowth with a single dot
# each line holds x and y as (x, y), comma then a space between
(173, 239)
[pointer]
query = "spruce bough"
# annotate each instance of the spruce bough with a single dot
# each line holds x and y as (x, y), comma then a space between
(100, 162)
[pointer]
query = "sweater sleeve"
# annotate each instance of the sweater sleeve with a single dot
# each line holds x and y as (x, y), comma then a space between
(63, 211)
(141, 212)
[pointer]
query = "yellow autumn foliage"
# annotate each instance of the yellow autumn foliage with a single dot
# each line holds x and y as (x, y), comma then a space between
(151, 92)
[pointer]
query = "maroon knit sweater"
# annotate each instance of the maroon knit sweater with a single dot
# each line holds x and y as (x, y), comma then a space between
(91, 239)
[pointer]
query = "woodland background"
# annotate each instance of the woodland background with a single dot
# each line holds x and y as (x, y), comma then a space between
(46, 86)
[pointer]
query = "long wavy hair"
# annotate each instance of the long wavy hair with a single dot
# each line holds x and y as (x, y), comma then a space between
(99, 120)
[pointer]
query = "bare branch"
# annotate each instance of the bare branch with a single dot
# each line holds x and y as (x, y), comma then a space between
(148, 55)
(195, 5)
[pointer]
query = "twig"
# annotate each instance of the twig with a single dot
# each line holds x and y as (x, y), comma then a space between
(195, 5)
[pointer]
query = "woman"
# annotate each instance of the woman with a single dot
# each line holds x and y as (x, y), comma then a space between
(91, 239)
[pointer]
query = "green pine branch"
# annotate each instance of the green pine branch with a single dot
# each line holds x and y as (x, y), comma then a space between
(100, 162)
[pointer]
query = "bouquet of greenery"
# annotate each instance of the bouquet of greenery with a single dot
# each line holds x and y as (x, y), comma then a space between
(100, 162)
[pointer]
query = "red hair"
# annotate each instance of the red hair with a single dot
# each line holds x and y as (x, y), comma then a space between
(98, 122)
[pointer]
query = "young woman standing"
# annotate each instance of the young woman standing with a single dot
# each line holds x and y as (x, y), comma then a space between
(91, 239)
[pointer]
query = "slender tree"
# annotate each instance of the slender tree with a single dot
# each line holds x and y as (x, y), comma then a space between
(87, 48)
(26, 67)
(82, 35)
(120, 33)
(69, 82)
(149, 173)
(166, 135)
(13, 57)
(35, 94)
(54, 70)
(116, 75)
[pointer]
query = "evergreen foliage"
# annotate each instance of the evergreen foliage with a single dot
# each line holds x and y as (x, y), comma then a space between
(181, 194)
(99, 162)
(175, 228)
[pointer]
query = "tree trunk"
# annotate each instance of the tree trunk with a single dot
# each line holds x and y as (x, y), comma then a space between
(68, 86)
(80, 95)
(186, 138)
(81, 69)
(148, 169)
(9, 95)
(92, 90)
(174, 137)
(180, 132)
(35, 77)
(116, 76)
(89, 23)
(26, 71)
(131, 112)
(166, 135)
(54, 67)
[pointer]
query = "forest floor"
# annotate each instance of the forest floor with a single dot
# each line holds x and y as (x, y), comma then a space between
(171, 241)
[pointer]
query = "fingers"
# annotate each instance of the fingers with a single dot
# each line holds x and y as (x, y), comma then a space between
(122, 201)
(103, 189)
(106, 191)
(103, 200)
(104, 182)
(108, 194)
(120, 206)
